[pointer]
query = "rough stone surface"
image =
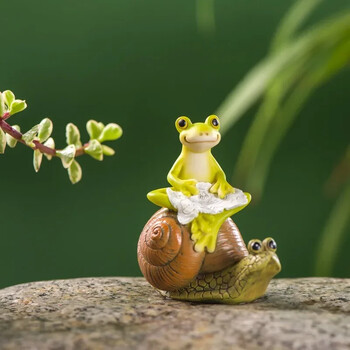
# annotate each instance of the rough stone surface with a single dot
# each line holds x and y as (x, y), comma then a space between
(126, 313)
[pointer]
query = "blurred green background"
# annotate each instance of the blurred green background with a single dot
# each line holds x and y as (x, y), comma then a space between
(143, 64)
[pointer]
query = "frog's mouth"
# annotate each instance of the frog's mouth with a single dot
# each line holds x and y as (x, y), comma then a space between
(200, 139)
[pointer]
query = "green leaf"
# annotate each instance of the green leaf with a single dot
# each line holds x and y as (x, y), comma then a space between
(2, 105)
(257, 80)
(49, 143)
(2, 141)
(333, 234)
(110, 132)
(269, 128)
(293, 20)
(67, 155)
(17, 106)
(94, 129)
(9, 97)
(73, 135)
(37, 158)
(11, 141)
(75, 172)
(107, 151)
(94, 149)
(45, 129)
(30, 135)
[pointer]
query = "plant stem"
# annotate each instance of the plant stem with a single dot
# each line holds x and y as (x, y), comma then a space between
(7, 128)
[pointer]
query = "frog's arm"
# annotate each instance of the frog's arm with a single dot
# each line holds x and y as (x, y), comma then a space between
(187, 187)
(220, 185)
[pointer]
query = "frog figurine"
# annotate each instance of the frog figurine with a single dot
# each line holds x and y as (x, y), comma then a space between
(191, 248)
(196, 164)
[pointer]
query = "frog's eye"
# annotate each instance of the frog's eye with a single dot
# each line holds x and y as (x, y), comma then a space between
(270, 244)
(213, 121)
(182, 123)
(254, 246)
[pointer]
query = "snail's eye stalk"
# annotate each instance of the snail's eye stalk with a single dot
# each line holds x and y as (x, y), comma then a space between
(270, 244)
(254, 246)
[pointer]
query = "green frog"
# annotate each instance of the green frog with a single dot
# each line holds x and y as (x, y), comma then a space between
(197, 164)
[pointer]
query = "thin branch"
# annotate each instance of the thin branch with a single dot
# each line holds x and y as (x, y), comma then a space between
(8, 129)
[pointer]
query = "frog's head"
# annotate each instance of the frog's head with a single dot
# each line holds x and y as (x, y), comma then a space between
(199, 137)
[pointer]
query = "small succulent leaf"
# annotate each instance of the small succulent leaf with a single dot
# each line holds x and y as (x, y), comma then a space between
(75, 173)
(73, 135)
(49, 143)
(2, 105)
(30, 135)
(11, 141)
(94, 129)
(67, 155)
(45, 129)
(9, 97)
(110, 132)
(2, 141)
(37, 158)
(108, 151)
(17, 106)
(94, 149)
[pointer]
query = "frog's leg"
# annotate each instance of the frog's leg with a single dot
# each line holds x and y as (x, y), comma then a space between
(205, 227)
(160, 197)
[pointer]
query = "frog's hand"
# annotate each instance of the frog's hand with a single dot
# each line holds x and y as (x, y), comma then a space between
(160, 197)
(222, 188)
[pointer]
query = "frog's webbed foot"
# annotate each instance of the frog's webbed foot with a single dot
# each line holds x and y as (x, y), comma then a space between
(204, 232)
(160, 197)
(205, 227)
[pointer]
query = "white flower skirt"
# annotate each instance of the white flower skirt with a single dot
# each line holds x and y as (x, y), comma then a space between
(205, 202)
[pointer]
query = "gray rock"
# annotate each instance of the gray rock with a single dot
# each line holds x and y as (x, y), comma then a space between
(126, 313)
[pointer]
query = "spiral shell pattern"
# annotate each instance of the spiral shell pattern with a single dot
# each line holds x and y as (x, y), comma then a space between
(165, 252)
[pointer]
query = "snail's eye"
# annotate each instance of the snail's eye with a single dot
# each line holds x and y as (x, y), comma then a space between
(215, 122)
(256, 246)
(182, 123)
(272, 244)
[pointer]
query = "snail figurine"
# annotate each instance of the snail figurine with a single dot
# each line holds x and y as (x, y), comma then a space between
(191, 248)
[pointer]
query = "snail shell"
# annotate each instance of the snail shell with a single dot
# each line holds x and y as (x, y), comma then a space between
(230, 248)
(167, 257)
(165, 252)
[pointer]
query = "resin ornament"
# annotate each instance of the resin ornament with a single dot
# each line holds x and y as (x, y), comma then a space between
(191, 248)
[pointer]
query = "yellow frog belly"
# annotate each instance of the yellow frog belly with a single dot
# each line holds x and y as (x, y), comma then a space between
(197, 166)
